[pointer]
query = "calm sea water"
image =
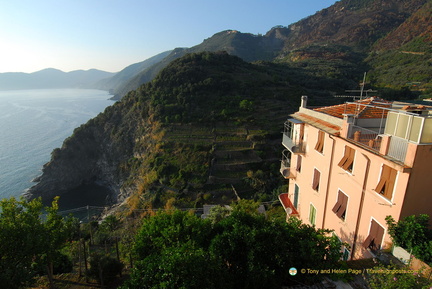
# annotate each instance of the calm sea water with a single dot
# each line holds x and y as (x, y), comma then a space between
(33, 123)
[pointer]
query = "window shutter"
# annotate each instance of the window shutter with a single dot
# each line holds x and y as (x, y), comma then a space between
(371, 235)
(299, 162)
(387, 182)
(375, 236)
(348, 159)
(343, 160)
(320, 143)
(316, 180)
(341, 205)
(312, 214)
(388, 193)
(338, 203)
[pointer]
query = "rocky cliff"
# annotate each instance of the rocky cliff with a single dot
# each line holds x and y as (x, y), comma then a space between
(91, 155)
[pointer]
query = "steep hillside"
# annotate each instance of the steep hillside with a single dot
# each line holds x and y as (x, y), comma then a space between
(404, 57)
(206, 123)
(353, 23)
(418, 26)
(114, 82)
(247, 46)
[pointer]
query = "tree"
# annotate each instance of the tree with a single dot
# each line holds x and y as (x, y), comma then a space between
(243, 250)
(246, 105)
(217, 213)
(412, 233)
(55, 233)
(20, 224)
(26, 237)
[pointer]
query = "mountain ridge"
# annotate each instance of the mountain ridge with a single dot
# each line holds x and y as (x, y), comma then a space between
(52, 78)
(352, 24)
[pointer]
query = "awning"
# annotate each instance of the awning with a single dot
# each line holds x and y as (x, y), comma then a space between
(288, 205)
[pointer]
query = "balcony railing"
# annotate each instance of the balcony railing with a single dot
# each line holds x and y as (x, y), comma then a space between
(294, 147)
(285, 169)
(398, 148)
(366, 137)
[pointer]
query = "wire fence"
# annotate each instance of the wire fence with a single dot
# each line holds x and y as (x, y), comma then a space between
(87, 213)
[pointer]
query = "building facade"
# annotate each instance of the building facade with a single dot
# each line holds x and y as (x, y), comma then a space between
(351, 165)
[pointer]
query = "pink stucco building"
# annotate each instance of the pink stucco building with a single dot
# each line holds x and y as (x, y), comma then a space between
(351, 165)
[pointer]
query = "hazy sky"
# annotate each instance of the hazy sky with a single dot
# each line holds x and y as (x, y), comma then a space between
(112, 34)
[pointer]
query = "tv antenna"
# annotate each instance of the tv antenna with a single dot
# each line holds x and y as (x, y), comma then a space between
(361, 91)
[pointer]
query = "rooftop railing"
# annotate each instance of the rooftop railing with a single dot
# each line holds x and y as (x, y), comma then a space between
(366, 137)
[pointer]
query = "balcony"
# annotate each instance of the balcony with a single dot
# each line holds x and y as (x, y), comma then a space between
(366, 137)
(397, 148)
(288, 205)
(292, 136)
(285, 168)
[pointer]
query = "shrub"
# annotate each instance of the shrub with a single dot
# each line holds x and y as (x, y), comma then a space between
(412, 233)
(104, 267)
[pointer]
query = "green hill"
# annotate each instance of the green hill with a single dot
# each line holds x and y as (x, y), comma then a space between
(207, 127)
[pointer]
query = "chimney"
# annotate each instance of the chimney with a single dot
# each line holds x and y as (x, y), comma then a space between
(303, 101)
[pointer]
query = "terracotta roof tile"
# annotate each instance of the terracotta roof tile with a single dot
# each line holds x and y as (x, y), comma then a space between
(323, 125)
(357, 108)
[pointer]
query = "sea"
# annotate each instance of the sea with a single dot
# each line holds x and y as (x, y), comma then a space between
(33, 123)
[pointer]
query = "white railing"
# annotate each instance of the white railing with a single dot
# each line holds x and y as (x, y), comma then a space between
(294, 147)
(285, 164)
(398, 148)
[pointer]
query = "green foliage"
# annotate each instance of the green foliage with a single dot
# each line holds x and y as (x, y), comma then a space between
(20, 225)
(412, 233)
(26, 238)
(246, 105)
(242, 250)
(167, 229)
(104, 268)
(217, 213)
(407, 66)
(61, 264)
(392, 277)
(184, 266)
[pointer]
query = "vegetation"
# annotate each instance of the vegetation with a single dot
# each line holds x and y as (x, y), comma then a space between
(176, 249)
(30, 241)
(392, 277)
(412, 233)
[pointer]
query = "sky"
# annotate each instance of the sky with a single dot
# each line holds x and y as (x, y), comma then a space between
(112, 34)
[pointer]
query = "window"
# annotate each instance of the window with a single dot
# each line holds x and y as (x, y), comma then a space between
(296, 195)
(320, 143)
(299, 162)
(341, 205)
(312, 214)
(344, 250)
(387, 181)
(316, 180)
(346, 254)
(375, 237)
(347, 161)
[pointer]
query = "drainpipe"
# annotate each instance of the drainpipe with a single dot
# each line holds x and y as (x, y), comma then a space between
(328, 182)
(360, 207)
